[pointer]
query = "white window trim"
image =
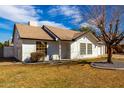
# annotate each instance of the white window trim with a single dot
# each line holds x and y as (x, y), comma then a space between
(87, 49)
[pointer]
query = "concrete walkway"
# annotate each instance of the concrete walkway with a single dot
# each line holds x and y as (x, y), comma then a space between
(105, 65)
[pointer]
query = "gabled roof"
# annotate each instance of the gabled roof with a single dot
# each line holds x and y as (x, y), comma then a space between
(47, 33)
(32, 32)
(62, 34)
(77, 35)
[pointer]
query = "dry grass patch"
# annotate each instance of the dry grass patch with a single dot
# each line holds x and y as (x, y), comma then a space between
(71, 75)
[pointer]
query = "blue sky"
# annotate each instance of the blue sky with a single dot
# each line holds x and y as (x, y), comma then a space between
(61, 16)
(69, 17)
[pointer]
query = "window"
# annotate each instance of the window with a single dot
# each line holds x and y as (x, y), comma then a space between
(89, 48)
(82, 48)
(41, 47)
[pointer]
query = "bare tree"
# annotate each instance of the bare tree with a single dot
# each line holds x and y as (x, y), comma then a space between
(107, 19)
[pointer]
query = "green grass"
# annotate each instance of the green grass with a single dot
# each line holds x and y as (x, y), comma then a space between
(60, 76)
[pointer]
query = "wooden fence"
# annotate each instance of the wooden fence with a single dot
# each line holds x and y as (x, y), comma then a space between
(1, 52)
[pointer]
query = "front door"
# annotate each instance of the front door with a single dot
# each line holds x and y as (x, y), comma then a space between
(65, 50)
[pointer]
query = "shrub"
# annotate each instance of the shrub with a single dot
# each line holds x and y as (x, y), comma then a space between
(37, 56)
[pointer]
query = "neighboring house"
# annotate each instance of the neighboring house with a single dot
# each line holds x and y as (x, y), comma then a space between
(120, 47)
(56, 43)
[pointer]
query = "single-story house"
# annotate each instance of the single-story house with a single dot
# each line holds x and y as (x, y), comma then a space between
(56, 43)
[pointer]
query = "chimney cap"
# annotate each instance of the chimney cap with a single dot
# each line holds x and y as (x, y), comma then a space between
(32, 23)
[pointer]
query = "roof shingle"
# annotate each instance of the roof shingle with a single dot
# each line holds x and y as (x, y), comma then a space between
(37, 32)
(32, 32)
(63, 34)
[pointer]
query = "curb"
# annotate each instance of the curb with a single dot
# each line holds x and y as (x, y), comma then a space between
(107, 68)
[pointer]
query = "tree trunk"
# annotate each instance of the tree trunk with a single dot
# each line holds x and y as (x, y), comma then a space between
(109, 58)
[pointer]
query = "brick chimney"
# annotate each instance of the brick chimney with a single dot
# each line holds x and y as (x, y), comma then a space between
(32, 23)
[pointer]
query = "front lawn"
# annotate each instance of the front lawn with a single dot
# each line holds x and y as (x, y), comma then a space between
(69, 75)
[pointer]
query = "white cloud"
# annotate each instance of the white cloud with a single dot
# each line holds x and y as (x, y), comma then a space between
(85, 25)
(24, 14)
(39, 11)
(52, 23)
(19, 13)
(69, 11)
(89, 25)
